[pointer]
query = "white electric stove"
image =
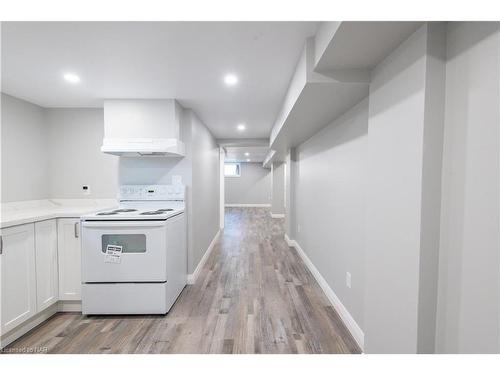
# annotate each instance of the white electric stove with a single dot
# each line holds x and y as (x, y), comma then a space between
(134, 258)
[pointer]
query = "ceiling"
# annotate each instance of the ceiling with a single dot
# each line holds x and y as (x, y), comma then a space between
(182, 60)
(238, 154)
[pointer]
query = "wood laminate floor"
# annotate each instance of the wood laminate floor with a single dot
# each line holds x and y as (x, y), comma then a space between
(254, 295)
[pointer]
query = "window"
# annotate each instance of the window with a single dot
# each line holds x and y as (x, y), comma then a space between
(232, 169)
(132, 243)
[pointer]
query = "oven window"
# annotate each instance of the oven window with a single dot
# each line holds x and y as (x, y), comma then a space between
(131, 243)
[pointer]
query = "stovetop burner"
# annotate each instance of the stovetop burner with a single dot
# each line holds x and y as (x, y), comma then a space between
(158, 212)
(126, 210)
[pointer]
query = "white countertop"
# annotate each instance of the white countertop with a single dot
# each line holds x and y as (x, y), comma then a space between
(17, 213)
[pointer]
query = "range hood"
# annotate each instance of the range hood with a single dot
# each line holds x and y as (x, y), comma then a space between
(143, 127)
(143, 147)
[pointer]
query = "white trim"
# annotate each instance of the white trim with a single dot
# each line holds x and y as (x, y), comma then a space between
(60, 306)
(222, 184)
(346, 317)
(277, 216)
(289, 242)
(70, 306)
(248, 205)
(28, 325)
(191, 278)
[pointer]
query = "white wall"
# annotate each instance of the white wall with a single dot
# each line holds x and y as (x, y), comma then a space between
(393, 216)
(205, 194)
(222, 198)
(365, 195)
(278, 188)
(24, 151)
(435, 75)
(432, 277)
(404, 157)
(75, 159)
(469, 278)
(51, 153)
(290, 193)
(252, 187)
(330, 204)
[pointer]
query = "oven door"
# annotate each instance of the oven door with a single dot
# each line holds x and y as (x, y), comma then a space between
(143, 257)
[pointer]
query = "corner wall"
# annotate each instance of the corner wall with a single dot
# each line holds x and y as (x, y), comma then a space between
(435, 73)
(330, 189)
(205, 190)
(252, 187)
(24, 148)
(290, 194)
(469, 269)
(52, 152)
(75, 157)
(404, 182)
(278, 189)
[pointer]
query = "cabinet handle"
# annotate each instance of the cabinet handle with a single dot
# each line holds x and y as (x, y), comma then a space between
(1, 245)
(76, 230)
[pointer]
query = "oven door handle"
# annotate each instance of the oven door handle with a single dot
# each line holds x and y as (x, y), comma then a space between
(122, 224)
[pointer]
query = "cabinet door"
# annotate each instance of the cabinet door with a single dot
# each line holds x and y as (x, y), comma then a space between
(18, 281)
(47, 289)
(69, 254)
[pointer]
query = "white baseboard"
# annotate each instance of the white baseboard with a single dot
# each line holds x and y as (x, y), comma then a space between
(191, 278)
(248, 205)
(39, 318)
(346, 317)
(289, 242)
(277, 216)
(28, 325)
(70, 306)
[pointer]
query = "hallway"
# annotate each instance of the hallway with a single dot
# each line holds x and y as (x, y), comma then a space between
(254, 295)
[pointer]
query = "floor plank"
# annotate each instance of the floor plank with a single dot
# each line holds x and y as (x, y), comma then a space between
(254, 295)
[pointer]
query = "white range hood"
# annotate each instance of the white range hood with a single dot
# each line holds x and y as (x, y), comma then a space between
(142, 127)
(143, 147)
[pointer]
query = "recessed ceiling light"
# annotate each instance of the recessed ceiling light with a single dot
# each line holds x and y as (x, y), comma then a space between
(230, 79)
(248, 159)
(71, 78)
(247, 154)
(241, 127)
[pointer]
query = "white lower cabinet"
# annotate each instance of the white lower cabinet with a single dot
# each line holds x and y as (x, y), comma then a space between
(47, 278)
(18, 278)
(39, 265)
(69, 254)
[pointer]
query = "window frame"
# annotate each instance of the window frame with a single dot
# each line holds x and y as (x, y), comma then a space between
(238, 169)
